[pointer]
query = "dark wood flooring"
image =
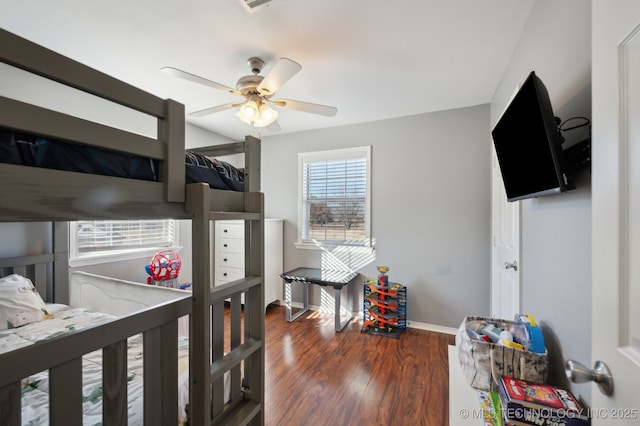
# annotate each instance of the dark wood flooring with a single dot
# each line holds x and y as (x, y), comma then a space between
(315, 376)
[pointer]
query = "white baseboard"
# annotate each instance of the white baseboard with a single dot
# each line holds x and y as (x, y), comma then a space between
(410, 324)
(432, 327)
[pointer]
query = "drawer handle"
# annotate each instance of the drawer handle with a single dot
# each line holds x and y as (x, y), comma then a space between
(224, 230)
(224, 245)
(225, 274)
(225, 259)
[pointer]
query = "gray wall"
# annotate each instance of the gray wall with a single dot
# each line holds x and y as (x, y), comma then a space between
(24, 239)
(430, 206)
(556, 230)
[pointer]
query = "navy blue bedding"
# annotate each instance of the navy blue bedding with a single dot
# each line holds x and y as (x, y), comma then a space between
(218, 174)
(29, 150)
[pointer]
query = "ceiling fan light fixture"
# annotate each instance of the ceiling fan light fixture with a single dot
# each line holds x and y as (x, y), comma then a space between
(257, 113)
(249, 111)
(267, 114)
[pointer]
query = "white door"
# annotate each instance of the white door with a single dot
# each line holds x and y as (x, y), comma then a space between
(616, 207)
(505, 250)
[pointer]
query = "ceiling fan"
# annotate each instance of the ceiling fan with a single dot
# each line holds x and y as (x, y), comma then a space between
(257, 92)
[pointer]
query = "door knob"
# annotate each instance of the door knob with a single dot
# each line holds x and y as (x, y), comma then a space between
(579, 373)
(513, 265)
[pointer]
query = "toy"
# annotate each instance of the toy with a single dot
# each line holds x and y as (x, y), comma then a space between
(476, 336)
(163, 269)
(528, 333)
(492, 331)
(506, 339)
(383, 279)
(385, 306)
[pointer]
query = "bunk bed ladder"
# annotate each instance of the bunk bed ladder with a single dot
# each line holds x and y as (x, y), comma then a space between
(244, 361)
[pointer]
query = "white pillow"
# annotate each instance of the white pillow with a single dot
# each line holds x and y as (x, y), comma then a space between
(20, 302)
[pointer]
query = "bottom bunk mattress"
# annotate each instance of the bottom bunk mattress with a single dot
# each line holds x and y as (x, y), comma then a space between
(61, 319)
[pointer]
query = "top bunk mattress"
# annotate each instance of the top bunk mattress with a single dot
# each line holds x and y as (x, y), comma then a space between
(30, 150)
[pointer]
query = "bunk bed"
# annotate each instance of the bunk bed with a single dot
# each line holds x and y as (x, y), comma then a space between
(31, 193)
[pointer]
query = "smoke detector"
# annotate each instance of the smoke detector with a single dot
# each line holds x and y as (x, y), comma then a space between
(252, 6)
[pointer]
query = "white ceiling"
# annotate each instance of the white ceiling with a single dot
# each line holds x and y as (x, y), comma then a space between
(372, 59)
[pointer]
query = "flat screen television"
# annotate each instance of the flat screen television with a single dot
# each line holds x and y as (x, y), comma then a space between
(529, 145)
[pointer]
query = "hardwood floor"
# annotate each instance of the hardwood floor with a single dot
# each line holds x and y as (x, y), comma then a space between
(315, 376)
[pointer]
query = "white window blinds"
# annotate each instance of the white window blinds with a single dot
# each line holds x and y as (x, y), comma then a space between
(92, 237)
(334, 196)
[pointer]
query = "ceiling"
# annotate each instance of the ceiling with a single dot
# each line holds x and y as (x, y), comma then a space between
(372, 60)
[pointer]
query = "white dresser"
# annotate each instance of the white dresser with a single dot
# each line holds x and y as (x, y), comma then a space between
(229, 255)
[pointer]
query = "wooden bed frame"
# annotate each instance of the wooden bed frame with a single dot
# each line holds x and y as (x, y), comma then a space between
(33, 194)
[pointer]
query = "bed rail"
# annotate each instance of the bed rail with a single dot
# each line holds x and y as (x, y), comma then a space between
(168, 146)
(251, 149)
(24, 54)
(63, 360)
(34, 194)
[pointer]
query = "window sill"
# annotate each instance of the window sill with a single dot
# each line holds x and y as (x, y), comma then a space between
(117, 256)
(331, 246)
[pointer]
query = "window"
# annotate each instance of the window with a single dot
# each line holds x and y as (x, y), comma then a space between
(334, 197)
(99, 238)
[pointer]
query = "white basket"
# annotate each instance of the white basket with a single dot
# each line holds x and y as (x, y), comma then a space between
(484, 363)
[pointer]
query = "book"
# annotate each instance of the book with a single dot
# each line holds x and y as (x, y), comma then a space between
(490, 405)
(528, 403)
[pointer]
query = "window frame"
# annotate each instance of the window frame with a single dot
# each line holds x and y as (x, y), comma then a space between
(116, 254)
(329, 155)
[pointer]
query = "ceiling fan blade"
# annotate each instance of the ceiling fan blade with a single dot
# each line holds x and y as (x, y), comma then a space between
(214, 109)
(329, 111)
(282, 71)
(196, 79)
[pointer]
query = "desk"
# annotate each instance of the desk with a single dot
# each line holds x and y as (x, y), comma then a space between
(306, 276)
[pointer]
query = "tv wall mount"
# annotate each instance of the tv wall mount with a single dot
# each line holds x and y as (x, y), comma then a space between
(578, 155)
